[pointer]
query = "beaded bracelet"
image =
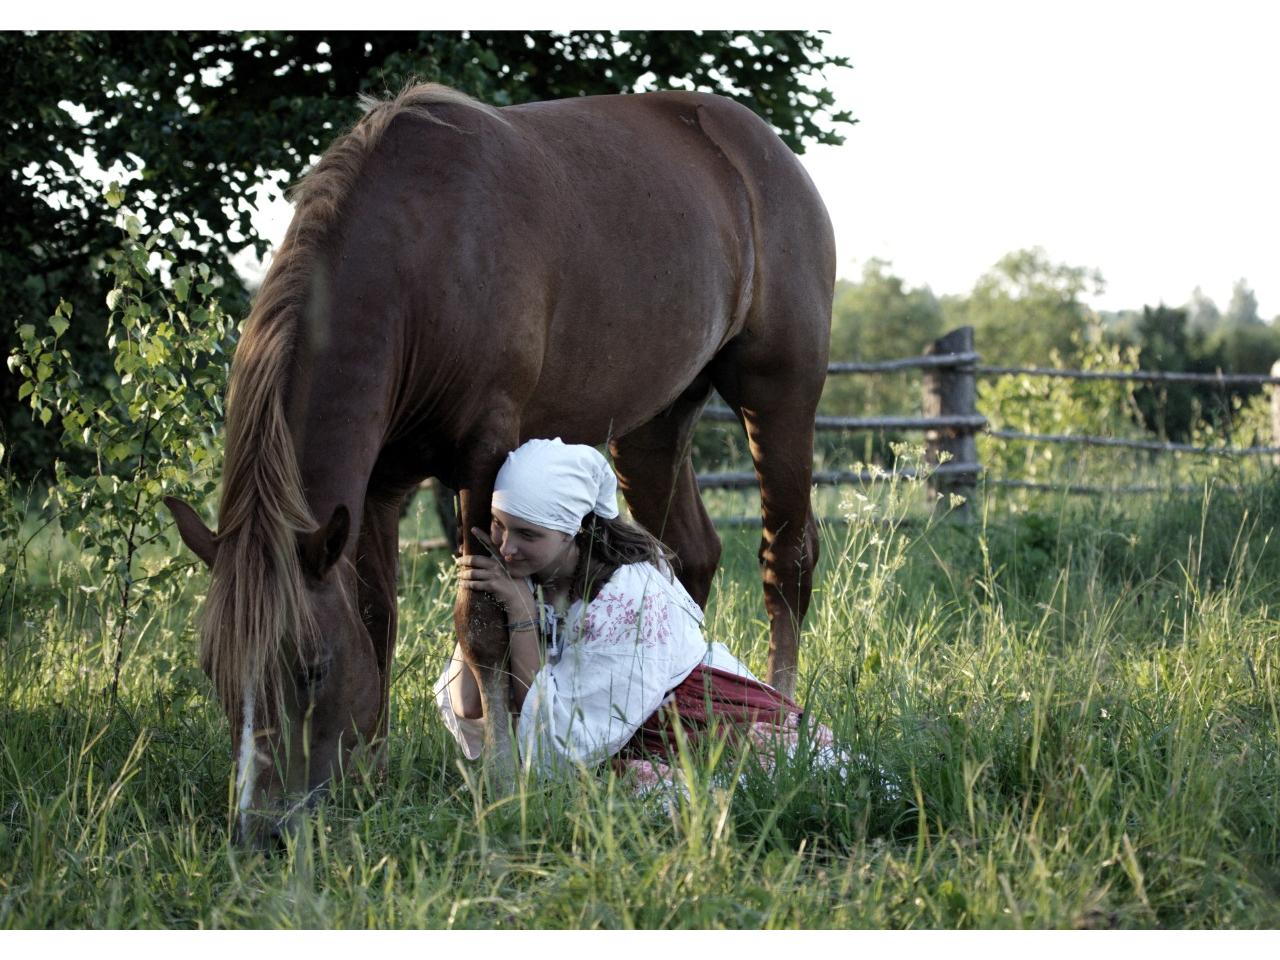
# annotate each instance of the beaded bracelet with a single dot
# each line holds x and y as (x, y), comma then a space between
(522, 625)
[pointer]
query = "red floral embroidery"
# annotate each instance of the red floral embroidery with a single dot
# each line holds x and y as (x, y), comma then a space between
(614, 617)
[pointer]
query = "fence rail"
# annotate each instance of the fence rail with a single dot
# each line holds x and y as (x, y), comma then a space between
(1152, 446)
(1090, 490)
(970, 358)
(833, 478)
(1135, 376)
(909, 363)
(971, 422)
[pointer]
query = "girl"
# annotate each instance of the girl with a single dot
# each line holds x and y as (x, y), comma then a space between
(607, 650)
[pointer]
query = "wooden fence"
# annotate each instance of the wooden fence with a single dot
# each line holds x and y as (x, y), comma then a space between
(950, 420)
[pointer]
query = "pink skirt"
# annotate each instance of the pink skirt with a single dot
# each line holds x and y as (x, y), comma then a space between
(750, 713)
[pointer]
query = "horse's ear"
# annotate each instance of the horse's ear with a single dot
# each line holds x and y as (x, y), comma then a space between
(199, 538)
(321, 548)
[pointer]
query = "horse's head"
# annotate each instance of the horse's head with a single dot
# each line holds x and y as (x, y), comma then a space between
(291, 661)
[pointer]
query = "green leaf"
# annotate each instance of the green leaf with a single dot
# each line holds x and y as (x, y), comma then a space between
(59, 325)
(113, 297)
(46, 415)
(180, 289)
(26, 332)
(114, 195)
(25, 390)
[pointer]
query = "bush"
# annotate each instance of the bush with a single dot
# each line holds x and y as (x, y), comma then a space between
(150, 428)
(1053, 405)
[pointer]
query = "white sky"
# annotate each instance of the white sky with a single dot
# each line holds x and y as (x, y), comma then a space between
(1138, 138)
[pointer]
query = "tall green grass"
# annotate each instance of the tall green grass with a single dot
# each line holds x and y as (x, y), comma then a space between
(1074, 707)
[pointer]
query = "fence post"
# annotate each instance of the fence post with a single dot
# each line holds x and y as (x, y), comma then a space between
(951, 391)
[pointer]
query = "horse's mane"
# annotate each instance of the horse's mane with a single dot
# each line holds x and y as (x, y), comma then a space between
(257, 592)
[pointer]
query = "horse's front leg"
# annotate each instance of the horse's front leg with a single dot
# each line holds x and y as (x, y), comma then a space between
(377, 565)
(481, 626)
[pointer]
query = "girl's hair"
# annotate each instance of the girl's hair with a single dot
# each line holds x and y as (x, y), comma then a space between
(605, 545)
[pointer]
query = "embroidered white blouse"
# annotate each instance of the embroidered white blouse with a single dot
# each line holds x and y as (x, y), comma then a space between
(606, 672)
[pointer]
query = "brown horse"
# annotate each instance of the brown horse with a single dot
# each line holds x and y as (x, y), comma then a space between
(457, 279)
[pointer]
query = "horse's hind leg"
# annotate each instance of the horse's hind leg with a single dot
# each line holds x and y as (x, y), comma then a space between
(776, 402)
(656, 476)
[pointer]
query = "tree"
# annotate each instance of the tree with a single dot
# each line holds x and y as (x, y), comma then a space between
(1167, 342)
(1244, 347)
(1203, 314)
(202, 120)
(878, 318)
(1163, 339)
(1169, 339)
(1243, 308)
(1025, 308)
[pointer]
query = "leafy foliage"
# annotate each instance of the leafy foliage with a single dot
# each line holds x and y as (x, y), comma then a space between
(148, 429)
(1026, 308)
(1052, 405)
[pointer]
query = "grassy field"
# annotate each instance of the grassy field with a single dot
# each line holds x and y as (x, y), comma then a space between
(1077, 703)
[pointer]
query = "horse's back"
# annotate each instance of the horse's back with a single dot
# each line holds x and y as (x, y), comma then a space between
(752, 216)
(620, 243)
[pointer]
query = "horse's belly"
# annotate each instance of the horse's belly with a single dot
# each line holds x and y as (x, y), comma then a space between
(608, 396)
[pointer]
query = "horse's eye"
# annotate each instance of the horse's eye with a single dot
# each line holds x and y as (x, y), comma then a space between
(311, 675)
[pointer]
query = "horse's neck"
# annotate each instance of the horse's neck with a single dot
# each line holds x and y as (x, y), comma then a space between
(338, 415)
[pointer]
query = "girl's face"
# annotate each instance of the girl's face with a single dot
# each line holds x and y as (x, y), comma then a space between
(529, 550)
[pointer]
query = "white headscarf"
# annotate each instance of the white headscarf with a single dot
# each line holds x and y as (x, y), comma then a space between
(555, 484)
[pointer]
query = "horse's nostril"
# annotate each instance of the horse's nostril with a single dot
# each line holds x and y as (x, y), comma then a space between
(265, 835)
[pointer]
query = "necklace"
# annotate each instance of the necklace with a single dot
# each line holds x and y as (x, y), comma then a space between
(551, 616)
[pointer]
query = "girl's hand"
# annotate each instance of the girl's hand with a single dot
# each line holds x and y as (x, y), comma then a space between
(490, 576)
